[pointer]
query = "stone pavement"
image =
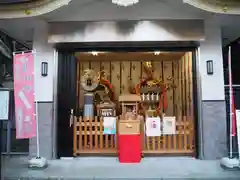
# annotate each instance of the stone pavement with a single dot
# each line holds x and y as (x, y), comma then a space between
(109, 168)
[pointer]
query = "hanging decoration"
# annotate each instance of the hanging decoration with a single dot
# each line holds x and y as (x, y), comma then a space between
(104, 97)
(107, 86)
(153, 93)
(98, 92)
(125, 3)
(89, 82)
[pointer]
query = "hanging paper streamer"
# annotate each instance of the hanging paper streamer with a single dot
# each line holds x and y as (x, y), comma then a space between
(109, 124)
(24, 95)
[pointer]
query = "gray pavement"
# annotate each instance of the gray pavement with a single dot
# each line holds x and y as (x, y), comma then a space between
(109, 168)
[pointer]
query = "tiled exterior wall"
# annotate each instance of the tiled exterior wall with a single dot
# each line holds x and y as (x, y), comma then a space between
(45, 131)
(214, 129)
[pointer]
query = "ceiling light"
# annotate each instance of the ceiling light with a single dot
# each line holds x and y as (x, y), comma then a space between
(125, 3)
(157, 52)
(94, 53)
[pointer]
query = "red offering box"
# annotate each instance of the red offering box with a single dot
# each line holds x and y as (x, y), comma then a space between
(129, 148)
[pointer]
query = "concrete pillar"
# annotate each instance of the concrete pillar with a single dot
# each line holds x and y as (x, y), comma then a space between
(213, 115)
(44, 91)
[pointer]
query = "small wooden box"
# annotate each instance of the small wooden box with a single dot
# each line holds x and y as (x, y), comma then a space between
(129, 98)
(107, 110)
(129, 127)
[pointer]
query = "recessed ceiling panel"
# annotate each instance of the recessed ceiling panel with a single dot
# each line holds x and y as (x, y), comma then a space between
(14, 1)
(217, 6)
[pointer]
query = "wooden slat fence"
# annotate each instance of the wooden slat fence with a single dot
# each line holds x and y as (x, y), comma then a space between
(89, 139)
(180, 143)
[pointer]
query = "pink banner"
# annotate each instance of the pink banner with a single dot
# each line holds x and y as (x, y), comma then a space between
(24, 95)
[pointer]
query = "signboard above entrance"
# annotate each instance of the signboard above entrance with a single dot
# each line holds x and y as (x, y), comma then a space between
(126, 31)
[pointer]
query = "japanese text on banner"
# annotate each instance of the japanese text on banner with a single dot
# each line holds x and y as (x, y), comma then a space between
(24, 95)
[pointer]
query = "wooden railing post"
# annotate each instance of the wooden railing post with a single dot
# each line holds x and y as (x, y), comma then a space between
(75, 136)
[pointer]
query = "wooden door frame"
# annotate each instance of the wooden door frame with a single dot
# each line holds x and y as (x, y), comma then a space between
(188, 46)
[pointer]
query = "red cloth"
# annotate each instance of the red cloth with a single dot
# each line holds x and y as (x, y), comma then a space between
(163, 100)
(234, 121)
(129, 148)
(109, 85)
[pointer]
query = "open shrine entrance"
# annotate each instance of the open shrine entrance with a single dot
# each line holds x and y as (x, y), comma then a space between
(174, 69)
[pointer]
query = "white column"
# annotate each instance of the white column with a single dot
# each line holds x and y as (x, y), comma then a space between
(211, 49)
(44, 92)
(44, 53)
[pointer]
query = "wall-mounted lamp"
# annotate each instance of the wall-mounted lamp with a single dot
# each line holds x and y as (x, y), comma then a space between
(209, 67)
(44, 69)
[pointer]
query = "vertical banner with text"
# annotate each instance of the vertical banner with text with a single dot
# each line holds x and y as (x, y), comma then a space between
(24, 95)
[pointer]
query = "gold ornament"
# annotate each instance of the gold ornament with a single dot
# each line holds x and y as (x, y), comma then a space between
(27, 12)
(89, 80)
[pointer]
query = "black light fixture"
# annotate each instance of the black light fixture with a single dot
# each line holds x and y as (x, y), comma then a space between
(44, 69)
(209, 67)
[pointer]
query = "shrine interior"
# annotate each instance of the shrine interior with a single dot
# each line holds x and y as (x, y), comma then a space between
(124, 71)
